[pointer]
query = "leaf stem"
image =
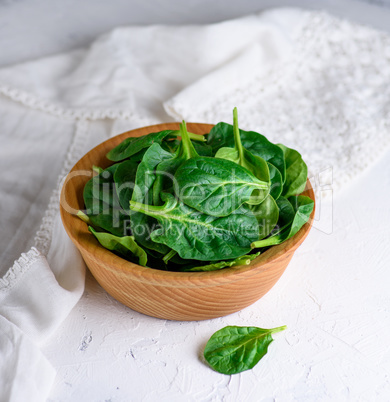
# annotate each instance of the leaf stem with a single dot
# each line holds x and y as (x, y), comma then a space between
(152, 210)
(193, 137)
(144, 208)
(169, 255)
(278, 329)
(187, 147)
(97, 169)
(237, 138)
(83, 216)
(269, 241)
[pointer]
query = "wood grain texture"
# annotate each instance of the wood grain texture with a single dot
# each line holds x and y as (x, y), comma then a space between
(169, 295)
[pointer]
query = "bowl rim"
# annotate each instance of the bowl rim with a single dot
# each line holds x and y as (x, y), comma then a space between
(146, 274)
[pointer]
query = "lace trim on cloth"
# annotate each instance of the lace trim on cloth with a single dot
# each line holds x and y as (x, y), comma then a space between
(34, 102)
(330, 100)
(19, 268)
(43, 237)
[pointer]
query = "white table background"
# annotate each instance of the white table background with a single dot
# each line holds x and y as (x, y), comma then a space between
(333, 297)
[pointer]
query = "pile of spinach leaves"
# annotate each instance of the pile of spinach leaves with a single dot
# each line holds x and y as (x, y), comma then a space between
(199, 204)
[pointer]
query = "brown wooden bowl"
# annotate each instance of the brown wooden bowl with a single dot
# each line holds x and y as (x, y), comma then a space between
(164, 294)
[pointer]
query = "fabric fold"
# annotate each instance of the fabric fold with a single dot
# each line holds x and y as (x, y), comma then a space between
(268, 52)
(36, 296)
(25, 373)
(131, 71)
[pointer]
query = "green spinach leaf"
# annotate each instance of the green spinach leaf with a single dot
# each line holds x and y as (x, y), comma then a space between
(170, 145)
(132, 145)
(221, 135)
(244, 260)
(216, 187)
(275, 181)
(142, 225)
(167, 168)
(256, 165)
(267, 215)
(203, 149)
(303, 207)
(296, 172)
(102, 204)
(200, 147)
(124, 178)
(232, 349)
(125, 246)
(286, 214)
(198, 236)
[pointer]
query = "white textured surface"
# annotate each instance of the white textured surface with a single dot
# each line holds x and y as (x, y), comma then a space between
(333, 298)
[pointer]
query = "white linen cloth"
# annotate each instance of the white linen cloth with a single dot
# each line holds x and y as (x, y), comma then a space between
(306, 79)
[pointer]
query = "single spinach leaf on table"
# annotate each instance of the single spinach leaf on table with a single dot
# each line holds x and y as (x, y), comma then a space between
(125, 246)
(303, 207)
(142, 225)
(167, 168)
(256, 165)
(296, 172)
(214, 186)
(221, 135)
(244, 260)
(102, 204)
(233, 349)
(198, 236)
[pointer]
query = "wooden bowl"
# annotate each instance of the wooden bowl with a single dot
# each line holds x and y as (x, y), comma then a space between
(163, 294)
